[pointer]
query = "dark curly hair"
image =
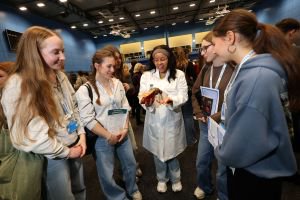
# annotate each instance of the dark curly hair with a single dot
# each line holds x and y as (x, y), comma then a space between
(171, 61)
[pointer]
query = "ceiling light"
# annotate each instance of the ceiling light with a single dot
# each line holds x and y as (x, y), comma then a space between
(192, 4)
(137, 15)
(73, 27)
(212, 1)
(104, 35)
(111, 20)
(121, 18)
(63, 1)
(175, 8)
(201, 19)
(145, 28)
(156, 26)
(173, 24)
(22, 8)
(133, 30)
(40, 5)
(95, 36)
(100, 22)
(186, 22)
(152, 12)
(85, 25)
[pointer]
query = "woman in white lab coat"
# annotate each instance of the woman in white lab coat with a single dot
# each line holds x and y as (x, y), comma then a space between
(164, 133)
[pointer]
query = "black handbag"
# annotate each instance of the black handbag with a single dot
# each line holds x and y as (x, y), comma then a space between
(91, 137)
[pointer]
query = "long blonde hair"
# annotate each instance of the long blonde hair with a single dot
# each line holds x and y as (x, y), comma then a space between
(36, 98)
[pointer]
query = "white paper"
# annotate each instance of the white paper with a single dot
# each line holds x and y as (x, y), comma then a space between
(116, 120)
(215, 133)
(213, 94)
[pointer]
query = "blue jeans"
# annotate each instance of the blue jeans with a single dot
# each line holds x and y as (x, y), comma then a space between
(205, 156)
(190, 131)
(168, 170)
(105, 158)
(64, 180)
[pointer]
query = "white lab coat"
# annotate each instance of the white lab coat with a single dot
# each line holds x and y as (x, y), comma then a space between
(164, 133)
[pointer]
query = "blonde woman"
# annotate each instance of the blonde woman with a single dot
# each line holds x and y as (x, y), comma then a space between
(41, 115)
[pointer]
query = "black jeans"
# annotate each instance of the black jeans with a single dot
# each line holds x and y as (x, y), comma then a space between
(243, 185)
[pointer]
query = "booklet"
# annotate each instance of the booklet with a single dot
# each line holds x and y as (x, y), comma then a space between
(116, 120)
(209, 101)
(215, 132)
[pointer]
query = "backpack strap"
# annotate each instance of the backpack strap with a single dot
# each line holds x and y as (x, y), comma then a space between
(89, 88)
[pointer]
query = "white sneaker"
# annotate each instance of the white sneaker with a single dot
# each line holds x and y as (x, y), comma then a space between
(137, 196)
(161, 187)
(177, 187)
(199, 193)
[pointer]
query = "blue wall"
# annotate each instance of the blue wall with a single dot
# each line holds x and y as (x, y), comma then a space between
(79, 47)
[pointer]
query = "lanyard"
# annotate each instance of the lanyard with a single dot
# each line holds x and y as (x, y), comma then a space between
(220, 76)
(232, 79)
(62, 99)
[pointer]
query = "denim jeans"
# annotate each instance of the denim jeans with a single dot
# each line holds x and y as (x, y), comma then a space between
(64, 180)
(189, 125)
(168, 170)
(205, 156)
(105, 158)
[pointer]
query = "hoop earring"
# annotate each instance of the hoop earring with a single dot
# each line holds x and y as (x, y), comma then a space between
(231, 48)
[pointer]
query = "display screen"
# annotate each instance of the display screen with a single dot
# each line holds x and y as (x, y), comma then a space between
(13, 38)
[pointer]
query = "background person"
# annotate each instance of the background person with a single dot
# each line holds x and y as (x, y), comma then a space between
(183, 64)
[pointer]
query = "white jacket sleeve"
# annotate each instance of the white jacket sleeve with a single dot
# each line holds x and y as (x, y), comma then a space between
(182, 91)
(38, 141)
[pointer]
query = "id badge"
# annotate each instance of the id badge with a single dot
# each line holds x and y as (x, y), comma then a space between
(72, 126)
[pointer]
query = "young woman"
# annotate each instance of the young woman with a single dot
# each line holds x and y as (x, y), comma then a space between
(41, 115)
(164, 133)
(126, 80)
(256, 146)
(215, 74)
(108, 93)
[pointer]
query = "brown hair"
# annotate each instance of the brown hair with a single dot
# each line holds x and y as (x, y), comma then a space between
(98, 58)
(264, 39)
(181, 59)
(36, 98)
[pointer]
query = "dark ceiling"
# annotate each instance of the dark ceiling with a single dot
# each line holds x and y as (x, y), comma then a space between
(129, 16)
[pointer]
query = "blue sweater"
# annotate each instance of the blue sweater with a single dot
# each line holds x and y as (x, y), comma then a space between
(257, 138)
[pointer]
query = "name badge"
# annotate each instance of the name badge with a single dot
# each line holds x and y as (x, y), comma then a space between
(72, 126)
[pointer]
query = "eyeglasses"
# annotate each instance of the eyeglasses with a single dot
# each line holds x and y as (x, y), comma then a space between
(204, 48)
